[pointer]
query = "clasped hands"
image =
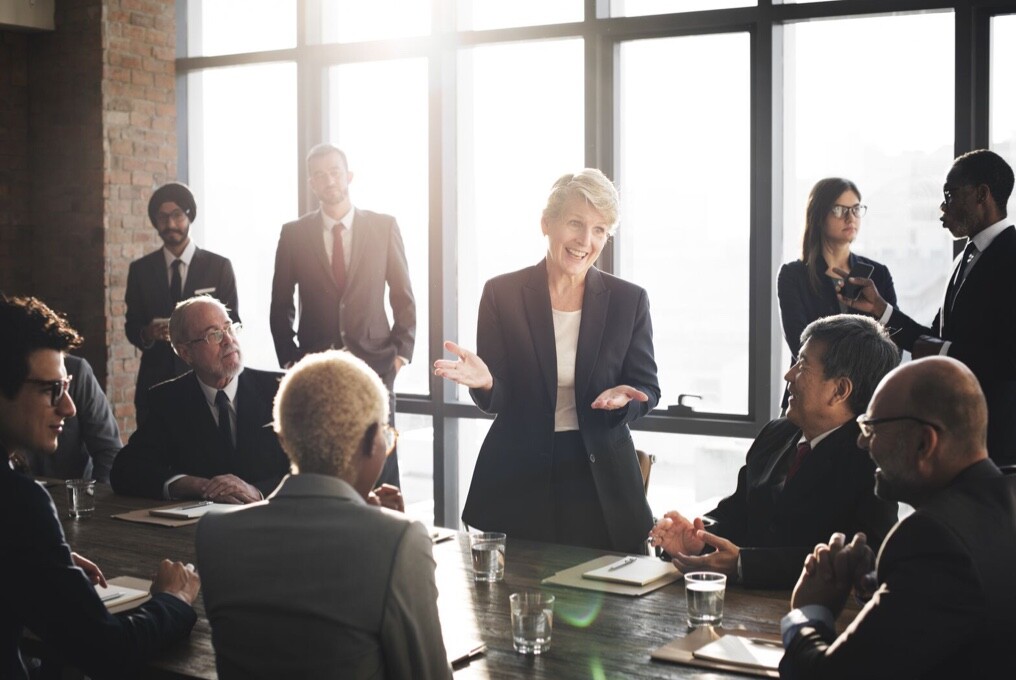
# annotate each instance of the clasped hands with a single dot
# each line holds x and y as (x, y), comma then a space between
(832, 570)
(683, 540)
(471, 371)
(220, 489)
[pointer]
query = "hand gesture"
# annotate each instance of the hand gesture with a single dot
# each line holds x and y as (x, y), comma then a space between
(618, 397)
(868, 302)
(230, 489)
(177, 579)
(723, 560)
(469, 370)
(158, 329)
(91, 570)
(387, 496)
(675, 534)
(831, 571)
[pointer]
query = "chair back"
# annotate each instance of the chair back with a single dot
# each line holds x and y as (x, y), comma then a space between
(646, 461)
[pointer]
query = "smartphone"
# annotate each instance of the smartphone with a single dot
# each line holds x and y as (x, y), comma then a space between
(852, 291)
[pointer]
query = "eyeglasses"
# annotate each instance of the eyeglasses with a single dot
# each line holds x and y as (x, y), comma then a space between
(391, 436)
(319, 176)
(840, 211)
(57, 388)
(175, 216)
(216, 336)
(949, 195)
(867, 424)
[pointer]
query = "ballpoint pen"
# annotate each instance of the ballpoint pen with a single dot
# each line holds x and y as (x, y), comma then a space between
(195, 505)
(623, 563)
(110, 597)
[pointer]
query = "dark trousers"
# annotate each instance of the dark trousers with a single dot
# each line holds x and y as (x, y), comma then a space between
(578, 517)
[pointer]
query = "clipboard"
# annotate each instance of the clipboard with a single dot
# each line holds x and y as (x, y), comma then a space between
(572, 578)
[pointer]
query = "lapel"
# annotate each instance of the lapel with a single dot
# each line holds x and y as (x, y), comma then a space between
(832, 304)
(974, 285)
(943, 310)
(250, 413)
(595, 304)
(316, 241)
(158, 282)
(536, 298)
(195, 273)
(788, 447)
(361, 238)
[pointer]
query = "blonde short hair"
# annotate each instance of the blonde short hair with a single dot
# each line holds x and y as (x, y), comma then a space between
(594, 186)
(323, 408)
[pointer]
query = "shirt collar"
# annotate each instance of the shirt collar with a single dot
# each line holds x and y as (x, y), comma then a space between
(229, 389)
(987, 235)
(818, 440)
(346, 220)
(187, 255)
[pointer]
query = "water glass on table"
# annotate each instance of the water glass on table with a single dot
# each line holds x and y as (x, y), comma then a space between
(705, 591)
(488, 556)
(532, 621)
(80, 498)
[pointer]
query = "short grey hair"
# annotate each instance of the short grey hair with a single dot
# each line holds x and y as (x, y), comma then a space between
(594, 186)
(856, 347)
(178, 319)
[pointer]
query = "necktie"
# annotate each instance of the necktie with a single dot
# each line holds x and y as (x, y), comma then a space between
(175, 282)
(225, 427)
(803, 449)
(338, 258)
(954, 284)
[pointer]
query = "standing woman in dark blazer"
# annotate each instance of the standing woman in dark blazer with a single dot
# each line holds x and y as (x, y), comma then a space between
(807, 287)
(565, 359)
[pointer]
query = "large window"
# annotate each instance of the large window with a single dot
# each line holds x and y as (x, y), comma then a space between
(714, 117)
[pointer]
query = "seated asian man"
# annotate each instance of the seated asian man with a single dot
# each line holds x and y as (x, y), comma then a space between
(208, 432)
(804, 476)
(945, 591)
(315, 583)
(47, 588)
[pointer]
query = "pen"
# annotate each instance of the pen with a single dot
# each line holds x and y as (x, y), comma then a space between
(765, 643)
(623, 563)
(196, 505)
(110, 597)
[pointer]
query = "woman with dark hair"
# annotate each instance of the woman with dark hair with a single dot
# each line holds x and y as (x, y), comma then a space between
(807, 287)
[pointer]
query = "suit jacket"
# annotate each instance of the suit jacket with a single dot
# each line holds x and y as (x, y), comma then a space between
(357, 320)
(800, 305)
(776, 523)
(90, 439)
(944, 607)
(148, 298)
(50, 596)
(511, 487)
(180, 437)
(982, 330)
(351, 595)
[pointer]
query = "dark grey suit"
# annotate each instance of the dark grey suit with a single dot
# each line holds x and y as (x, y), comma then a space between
(356, 321)
(351, 594)
(148, 298)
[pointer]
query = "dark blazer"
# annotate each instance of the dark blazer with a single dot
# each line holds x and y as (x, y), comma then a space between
(357, 321)
(90, 439)
(776, 524)
(148, 298)
(511, 487)
(180, 437)
(944, 607)
(47, 594)
(982, 329)
(800, 305)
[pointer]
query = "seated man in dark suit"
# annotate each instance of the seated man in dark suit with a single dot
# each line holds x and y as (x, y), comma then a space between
(208, 432)
(90, 439)
(804, 476)
(48, 589)
(315, 583)
(945, 591)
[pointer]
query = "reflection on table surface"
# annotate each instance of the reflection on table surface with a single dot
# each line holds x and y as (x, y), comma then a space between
(595, 635)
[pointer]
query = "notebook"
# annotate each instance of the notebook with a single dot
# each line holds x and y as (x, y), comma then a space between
(742, 651)
(189, 510)
(632, 570)
(123, 593)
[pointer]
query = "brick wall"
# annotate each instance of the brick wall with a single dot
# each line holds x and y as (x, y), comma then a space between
(87, 130)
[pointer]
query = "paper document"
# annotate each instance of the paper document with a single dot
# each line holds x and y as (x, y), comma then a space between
(191, 510)
(633, 570)
(115, 596)
(742, 651)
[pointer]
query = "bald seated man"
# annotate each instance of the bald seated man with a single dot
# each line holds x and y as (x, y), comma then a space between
(945, 592)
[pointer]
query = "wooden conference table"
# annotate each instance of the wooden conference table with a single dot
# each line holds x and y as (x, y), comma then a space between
(596, 635)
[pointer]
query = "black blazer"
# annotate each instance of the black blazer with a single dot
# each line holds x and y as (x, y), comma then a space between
(357, 321)
(944, 607)
(511, 486)
(50, 596)
(180, 437)
(148, 298)
(982, 329)
(800, 305)
(777, 524)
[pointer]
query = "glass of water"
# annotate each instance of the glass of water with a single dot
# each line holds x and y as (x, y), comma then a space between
(80, 498)
(705, 591)
(532, 621)
(488, 556)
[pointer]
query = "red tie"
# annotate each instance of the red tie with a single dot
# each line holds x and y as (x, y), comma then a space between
(338, 258)
(803, 449)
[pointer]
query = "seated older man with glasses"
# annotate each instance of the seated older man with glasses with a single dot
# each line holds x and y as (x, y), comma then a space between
(314, 583)
(207, 434)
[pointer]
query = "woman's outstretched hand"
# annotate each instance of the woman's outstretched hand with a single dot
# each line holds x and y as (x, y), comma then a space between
(618, 397)
(468, 370)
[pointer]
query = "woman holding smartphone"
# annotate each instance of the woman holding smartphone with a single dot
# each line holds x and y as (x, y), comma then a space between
(807, 287)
